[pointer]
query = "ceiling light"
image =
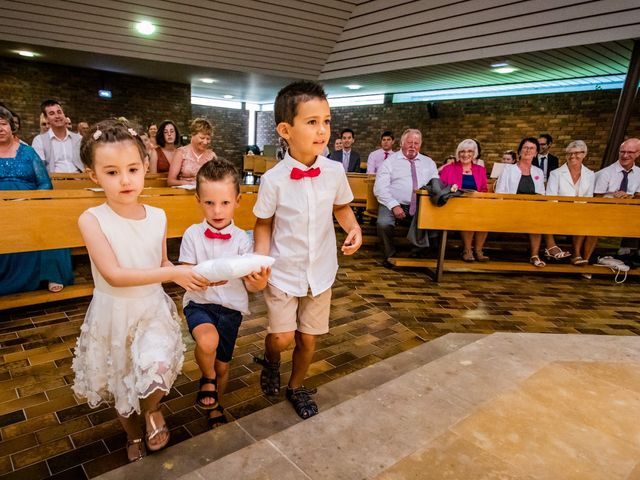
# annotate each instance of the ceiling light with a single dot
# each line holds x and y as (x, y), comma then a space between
(354, 86)
(145, 27)
(227, 96)
(26, 53)
(497, 65)
(208, 80)
(504, 70)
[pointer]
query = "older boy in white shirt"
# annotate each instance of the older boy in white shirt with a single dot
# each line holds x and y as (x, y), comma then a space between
(295, 207)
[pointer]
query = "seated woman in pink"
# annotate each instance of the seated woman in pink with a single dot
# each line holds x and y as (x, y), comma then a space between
(188, 159)
(468, 175)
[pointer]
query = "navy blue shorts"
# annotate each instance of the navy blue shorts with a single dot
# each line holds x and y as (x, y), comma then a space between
(226, 321)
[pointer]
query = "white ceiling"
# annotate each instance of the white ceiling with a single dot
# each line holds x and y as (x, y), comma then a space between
(254, 47)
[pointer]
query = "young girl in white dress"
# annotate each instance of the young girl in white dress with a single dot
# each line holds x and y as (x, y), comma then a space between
(130, 348)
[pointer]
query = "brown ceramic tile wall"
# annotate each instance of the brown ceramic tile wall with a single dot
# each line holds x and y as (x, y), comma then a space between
(498, 123)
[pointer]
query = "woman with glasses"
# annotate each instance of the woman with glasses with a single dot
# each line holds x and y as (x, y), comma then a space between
(573, 179)
(525, 178)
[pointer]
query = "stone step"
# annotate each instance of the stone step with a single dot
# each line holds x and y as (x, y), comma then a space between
(510, 405)
(194, 453)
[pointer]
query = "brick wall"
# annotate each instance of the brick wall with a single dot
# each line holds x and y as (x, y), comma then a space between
(25, 84)
(498, 123)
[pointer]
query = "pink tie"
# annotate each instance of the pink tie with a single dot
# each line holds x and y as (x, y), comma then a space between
(414, 183)
(386, 154)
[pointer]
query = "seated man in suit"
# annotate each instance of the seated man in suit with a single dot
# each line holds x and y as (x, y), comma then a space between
(350, 158)
(545, 160)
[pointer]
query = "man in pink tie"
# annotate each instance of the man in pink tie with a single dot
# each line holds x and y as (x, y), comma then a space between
(380, 155)
(397, 179)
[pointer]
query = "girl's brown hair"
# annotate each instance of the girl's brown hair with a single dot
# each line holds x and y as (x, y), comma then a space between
(108, 131)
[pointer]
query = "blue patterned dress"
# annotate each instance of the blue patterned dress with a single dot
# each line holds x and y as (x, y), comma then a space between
(21, 272)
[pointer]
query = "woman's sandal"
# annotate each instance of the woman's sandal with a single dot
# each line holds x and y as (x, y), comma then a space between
(270, 375)
(536, 262)
(302, 402)
(467, 256)
(217, 420)
(55, 287)
(579, 261)
(156, 431)
(481, 257)
(141, 452)
(202, 394)
(559, 255)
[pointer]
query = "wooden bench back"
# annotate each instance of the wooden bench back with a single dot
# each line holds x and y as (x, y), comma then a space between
(493, 212)
(43, 224)
(358, 184)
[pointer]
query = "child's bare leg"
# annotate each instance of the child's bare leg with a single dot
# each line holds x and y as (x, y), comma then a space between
(131, 426)
(222, 374)
(206, 337)
(275, 343)
(302, 356)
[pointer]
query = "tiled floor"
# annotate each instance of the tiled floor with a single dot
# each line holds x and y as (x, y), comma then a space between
(376, 313)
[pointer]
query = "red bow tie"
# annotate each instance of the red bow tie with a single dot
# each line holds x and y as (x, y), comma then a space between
(297, 174)
(222, 236)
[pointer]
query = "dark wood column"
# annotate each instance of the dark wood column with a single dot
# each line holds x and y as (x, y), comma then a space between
(623, 111)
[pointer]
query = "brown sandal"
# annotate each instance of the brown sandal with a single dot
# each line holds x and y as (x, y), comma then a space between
(155, 431)
(140, 447)
(481, 257)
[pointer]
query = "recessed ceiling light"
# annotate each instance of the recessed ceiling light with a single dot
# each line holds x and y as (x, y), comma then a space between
(208, 80)
(354, 86)
(505, 70)
(497, 65)
(227, 96)
(26, 53)
(145, 27)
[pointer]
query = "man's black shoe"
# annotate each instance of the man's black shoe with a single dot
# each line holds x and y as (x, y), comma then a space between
(388, 264)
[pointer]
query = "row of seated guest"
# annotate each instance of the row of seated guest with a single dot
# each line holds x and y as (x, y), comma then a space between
(22, 169)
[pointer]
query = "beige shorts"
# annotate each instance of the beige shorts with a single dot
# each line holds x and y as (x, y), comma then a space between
(288, 313)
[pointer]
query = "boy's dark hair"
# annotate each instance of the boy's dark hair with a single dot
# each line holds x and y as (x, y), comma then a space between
(217, 170)
(547, 137)
(108, 131)
(387, 133)
(347, 130)
(160, 135)
(49, 103)
(285, 107)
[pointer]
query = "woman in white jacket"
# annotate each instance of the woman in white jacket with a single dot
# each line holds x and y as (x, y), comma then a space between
(573, 179)
(525, 178)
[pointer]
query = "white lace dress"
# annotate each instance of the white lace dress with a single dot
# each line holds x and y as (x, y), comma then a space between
(130, 343)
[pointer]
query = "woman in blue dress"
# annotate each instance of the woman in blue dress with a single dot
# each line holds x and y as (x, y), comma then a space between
(22, 169)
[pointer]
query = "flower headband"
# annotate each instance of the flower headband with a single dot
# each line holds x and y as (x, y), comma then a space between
(98, 133)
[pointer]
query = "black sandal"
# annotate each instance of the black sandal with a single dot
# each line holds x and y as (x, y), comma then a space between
(208, 394)
(218, 420)
(302, 402)
(270, 375)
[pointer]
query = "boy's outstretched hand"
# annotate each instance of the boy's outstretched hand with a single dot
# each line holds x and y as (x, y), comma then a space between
(353, 241)
(256, 281)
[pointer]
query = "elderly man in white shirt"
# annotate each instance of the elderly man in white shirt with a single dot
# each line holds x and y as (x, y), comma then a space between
(621, 180)
(396, 180)
(58, 148)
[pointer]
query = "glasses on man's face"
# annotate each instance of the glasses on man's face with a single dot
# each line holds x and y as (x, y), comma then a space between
(543, 144)
(628, 152)
(576, 154)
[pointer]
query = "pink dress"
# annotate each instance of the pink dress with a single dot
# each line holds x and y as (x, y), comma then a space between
(191, 163)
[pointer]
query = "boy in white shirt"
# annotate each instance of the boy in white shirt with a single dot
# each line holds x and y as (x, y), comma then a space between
(214, 316)
(295, 207)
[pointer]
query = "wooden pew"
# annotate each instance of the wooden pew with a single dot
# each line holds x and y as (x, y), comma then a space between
(602, 217)
(258, 163)
(358, 184)
(46, 223)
